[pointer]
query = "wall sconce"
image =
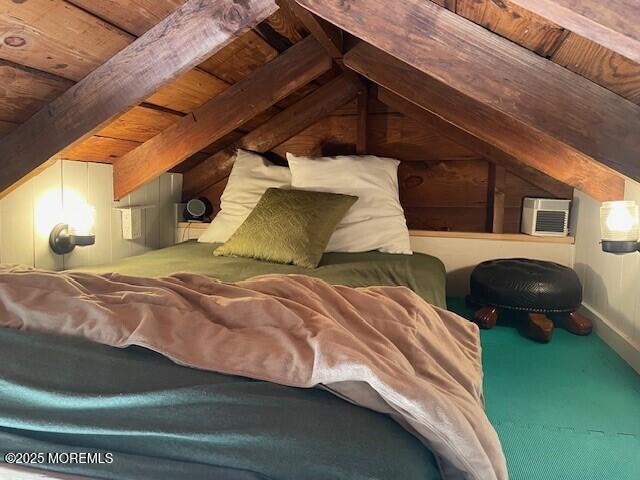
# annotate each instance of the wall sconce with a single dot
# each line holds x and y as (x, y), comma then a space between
(76, 230)
(619, 227)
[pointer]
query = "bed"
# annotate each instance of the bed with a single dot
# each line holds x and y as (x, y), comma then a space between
(161, 420)
(424, 274)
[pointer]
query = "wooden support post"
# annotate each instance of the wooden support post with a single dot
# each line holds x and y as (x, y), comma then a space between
(363, 120)
(495, 198)
(185, 38)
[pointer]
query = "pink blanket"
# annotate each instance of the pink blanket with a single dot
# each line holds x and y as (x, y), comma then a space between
(383, 348)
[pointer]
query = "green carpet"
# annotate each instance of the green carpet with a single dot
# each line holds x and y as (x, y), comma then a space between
(566, 410)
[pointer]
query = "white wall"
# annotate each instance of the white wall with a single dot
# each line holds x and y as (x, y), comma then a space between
(28, 214)
(461, 255)
(611, 283)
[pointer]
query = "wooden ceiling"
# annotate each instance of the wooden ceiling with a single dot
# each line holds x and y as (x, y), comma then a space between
(46, 46)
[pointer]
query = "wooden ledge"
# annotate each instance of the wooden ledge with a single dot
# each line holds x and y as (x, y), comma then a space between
(194, 225)
(508, 237)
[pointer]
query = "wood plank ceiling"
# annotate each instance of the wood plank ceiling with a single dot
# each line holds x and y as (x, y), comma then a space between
(46, 46)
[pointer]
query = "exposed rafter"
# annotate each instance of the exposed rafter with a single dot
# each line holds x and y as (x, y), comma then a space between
(614, 24)
(272, 133)
(267, 85)
(327, 34)
(192, 33)
(523, 143)
(497, 74)
(474, 144)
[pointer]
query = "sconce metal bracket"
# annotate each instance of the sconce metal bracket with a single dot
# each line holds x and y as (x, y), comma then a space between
(618, 247)
(60, 241)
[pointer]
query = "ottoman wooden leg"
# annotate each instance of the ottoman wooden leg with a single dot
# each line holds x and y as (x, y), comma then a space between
(576, 323)
(486, 317)
(540, 328)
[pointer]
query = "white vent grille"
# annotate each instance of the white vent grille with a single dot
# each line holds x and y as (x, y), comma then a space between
(551, 221)
(545, 216)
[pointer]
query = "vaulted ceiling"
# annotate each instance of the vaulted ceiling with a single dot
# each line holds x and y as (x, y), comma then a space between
(47, 46)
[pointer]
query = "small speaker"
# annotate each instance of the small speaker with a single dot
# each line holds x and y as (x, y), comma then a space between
(198, 210)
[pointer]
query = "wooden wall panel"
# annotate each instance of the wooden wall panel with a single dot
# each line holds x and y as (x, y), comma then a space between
(454, 219)
(457, 183)
(392, 135)
(443, 186)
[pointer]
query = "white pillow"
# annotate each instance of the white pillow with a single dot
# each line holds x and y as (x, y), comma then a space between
(250, 177)
(376, 221)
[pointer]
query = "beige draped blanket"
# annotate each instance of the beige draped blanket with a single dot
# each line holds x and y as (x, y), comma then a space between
(383, 348)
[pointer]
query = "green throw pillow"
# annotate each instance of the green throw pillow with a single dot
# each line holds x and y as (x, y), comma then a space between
(288, 226)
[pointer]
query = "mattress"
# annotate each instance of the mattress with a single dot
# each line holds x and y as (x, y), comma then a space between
(160, 420)
(424, 274)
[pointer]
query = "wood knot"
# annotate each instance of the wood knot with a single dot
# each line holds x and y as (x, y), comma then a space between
(15, 41)
(235, 14)
(413, 181)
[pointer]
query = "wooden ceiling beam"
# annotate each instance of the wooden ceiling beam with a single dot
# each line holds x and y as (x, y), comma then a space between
(523, 144)
(614, 24)
(328, 35)
(496, 73)
(178, 43)
(474, 144)
(262, 89)
(272, 133)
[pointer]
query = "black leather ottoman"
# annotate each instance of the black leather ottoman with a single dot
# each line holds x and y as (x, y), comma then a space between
(543, 291)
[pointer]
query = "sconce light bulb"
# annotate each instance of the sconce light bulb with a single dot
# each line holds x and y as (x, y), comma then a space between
(620, 219)
(81, 219)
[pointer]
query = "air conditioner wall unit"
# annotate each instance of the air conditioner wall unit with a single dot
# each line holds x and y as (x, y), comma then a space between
(545, 217)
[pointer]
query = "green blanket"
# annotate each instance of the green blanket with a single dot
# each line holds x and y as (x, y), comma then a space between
(160, 420)
(424, 274)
